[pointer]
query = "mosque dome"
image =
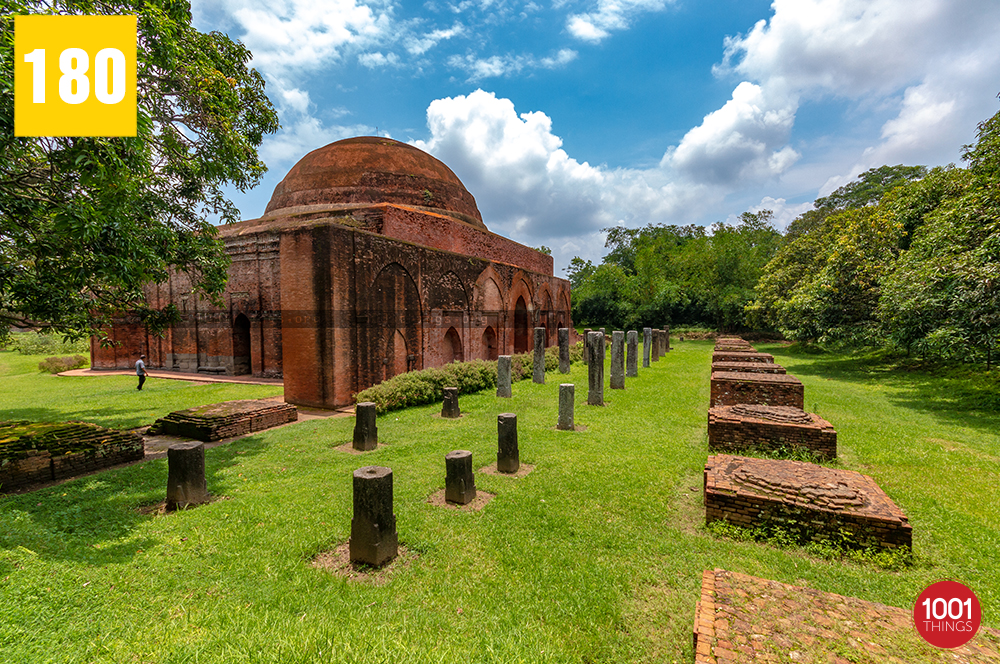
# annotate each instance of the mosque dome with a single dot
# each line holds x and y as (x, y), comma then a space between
(367, 170)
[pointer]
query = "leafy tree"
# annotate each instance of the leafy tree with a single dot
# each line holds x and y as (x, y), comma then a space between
(870, 187)
(85, 222)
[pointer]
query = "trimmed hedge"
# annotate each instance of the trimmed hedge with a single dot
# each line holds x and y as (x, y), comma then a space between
(56, 364)
(416, 388)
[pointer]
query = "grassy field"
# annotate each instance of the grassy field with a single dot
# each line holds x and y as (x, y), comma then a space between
(596, 556)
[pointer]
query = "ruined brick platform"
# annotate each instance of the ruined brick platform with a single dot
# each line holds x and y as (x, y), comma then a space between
(748, 367)
(225, 420)
(750, 426)
(741, 356)
(730, 344)
(808, 501)
(36, 452)
(743, 619)
(733, 387)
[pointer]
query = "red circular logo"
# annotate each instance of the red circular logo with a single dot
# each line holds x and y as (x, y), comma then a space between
(947, 614)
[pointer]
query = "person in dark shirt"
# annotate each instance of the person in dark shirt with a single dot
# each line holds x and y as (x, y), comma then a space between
(140, 370)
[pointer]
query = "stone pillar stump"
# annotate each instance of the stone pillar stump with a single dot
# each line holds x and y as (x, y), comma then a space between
(647, 342)
(503, 376)
(508, 458)
(617, 360)
(374, 540)
(604, 344)
(563, 334)
(586, 344)
(632, 354)
(654, 346)
(567, 394)
(595, 373)
(538, 368)
(186, 485)
(365, 431)
(449, 408)
(459, 481)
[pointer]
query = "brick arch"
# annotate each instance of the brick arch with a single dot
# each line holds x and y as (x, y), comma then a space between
(546, 318)
(448, 292)
(389, 340)
(487, 287)
(519, 321)
(563, 315)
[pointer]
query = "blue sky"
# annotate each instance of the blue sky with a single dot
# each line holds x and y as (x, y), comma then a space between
(565, 117)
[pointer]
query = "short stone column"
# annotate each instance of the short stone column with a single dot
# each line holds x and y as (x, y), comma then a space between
(666, 338)
(365, 431)
(508, 458)
(654, 346)
(374, 540)
(563, 335)
(586, 344)
(503, 376)
(647, 342)
(663, 342)
(538, 369)
(459, 481)
(595, 373)
(617, 360)
(186, 485)
(567, 395)
(632, 354)
(604, 345)
(450, 407)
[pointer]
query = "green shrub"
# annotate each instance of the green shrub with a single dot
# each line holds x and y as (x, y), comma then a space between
(33, 343)
(426, 386)
(56, 364)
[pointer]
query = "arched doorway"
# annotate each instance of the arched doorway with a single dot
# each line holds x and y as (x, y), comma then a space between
(389, 338)
(520, 326)
(241, 345)
(490, 344)
(452, 351)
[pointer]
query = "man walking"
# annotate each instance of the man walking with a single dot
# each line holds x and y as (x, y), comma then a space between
(140, 371)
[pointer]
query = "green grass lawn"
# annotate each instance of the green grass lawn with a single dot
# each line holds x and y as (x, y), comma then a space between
(596, 556)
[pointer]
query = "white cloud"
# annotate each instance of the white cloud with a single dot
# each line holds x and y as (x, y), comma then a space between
(377, 60)
(526, 185)
(301, 137)
(504, 65)
(743, 141)
(933, 60)
(609, 15)
(783, 213)
(420, 44)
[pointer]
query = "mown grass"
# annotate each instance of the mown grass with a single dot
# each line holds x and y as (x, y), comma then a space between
(111, 401)
(596, 556)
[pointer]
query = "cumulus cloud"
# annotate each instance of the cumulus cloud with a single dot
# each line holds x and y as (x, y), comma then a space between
(607, 16)
(377, 60)
(504, 65)
(932, 60)
(529, 188)
(744, 141)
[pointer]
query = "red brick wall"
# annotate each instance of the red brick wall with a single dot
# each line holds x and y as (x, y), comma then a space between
(732, 432)
(729, 388)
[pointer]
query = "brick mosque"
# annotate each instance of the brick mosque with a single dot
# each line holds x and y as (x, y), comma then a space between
(371, 259)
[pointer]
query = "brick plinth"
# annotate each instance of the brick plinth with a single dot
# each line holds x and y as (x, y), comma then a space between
(741, 356)
(806, 500)
(733, 387)
(748, 367)
(743, 619)
(744, 426)
(225, 420)
(31, 452)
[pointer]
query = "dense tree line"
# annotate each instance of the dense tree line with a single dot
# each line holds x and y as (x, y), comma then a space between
(905, 256)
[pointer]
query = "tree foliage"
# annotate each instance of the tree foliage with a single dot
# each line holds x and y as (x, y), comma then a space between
(86, 222)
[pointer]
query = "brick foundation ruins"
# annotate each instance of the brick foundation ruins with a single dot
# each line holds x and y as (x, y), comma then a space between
(730, 388)
(741, 619)
(748, 367)
(32, 452)
(808, 501)
(747, 426)
(740, 356)
(224, 420)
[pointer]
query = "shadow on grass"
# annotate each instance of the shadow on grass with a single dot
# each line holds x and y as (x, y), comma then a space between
(956, 393)
(105, 416)
(91, 519)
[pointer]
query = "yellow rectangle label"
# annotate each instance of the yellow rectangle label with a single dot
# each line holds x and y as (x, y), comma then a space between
(75, 75)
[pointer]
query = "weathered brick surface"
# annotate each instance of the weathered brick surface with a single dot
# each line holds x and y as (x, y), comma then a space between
(743, 427)
(807, 500)
(356, 273)
(741, 619)
(748, 367)
(224, 420)
(733, 387)
(741, 356)
(31, 453)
